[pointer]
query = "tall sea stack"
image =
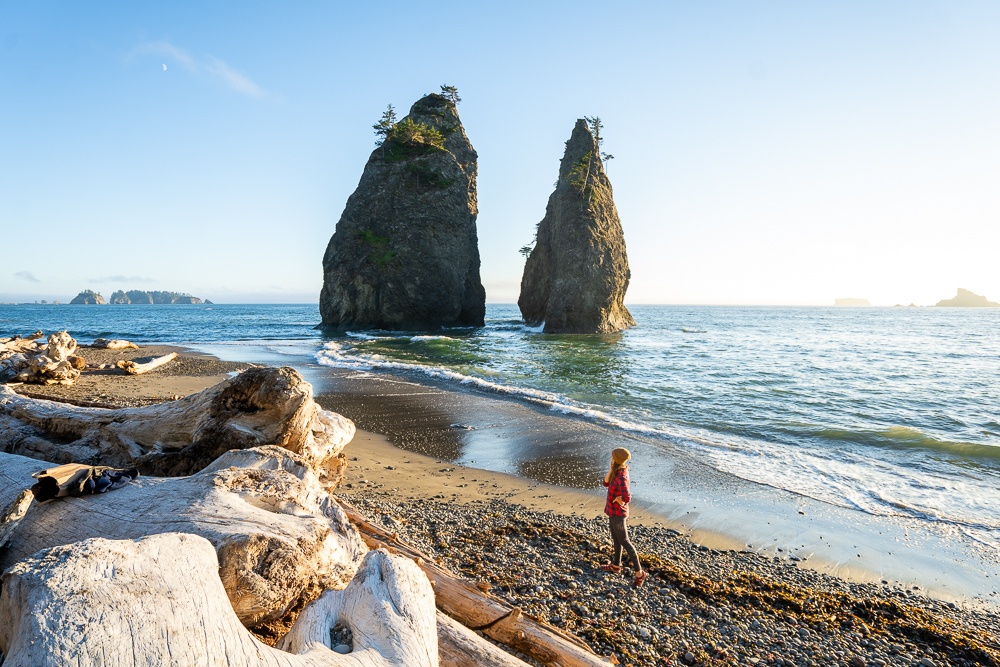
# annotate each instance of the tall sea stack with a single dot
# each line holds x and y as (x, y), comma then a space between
(405, 253)
(577, 274)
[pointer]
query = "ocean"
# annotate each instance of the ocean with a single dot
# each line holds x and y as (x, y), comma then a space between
(885, 411)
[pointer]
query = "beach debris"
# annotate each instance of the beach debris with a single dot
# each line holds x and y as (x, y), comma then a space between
(12, 516)
(113, 344)
(139, 367)
(577, 273)
(467, 603)
(63, 608)
(261, 406)
(280, 539)
(56, 363)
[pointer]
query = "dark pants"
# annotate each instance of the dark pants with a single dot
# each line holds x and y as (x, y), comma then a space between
(619, 535)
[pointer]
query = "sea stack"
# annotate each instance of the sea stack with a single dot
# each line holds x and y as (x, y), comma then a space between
(576, 275)
(405, 252)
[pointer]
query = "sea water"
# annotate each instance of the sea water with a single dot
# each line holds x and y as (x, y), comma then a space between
(887, 411)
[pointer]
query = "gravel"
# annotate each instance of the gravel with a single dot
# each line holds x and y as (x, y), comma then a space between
(698, 606)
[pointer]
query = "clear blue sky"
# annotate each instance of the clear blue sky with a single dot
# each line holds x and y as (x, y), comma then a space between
(773, 153)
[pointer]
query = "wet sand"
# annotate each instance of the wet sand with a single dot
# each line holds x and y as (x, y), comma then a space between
(538, 452)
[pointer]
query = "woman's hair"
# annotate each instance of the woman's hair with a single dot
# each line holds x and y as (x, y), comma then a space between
(619, 457)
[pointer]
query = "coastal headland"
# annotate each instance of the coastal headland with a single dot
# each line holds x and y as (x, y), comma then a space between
(709, 599)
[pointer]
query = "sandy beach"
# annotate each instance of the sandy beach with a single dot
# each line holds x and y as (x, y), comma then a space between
(708, 600)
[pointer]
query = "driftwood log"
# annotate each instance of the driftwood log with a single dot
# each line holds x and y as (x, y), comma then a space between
(281, 539)
(138, 368)
(25, 360)
(463, 601)
(12, 515)
(261, 406)
(159, 601)
(113, 344)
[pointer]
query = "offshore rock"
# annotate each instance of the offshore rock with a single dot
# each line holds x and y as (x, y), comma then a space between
(576, 276)
(88, 297)
(405, 252)
(967, 299)
(155, 297)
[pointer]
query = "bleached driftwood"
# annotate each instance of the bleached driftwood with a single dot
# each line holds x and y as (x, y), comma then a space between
(12, 515)
(280, 538)
(17, 344)
(261, 406)
(158, 601)
(135, 368)
(113, 344)
(458, 646)
(53, 365)
(464, 602)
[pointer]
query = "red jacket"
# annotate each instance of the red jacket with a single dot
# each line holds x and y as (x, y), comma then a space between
(618, 487)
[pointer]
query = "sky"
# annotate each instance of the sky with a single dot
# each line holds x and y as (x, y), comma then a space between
(784, 153)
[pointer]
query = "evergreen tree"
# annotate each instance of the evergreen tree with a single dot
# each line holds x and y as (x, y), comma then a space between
(383, 128)
(451, 92)
(595, 128)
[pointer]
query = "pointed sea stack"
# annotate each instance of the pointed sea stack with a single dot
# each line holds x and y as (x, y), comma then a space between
(405, 253)
(577, 274)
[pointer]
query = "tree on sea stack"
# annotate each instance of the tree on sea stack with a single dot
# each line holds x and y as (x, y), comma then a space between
(576, 276)
(405, 252)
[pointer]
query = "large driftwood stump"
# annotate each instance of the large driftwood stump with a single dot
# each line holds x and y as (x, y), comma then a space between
(280, 538)
(159, 601)
(261, 406)
(25, 360)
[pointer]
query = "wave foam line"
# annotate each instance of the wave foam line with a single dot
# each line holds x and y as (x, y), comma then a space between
(334, 356)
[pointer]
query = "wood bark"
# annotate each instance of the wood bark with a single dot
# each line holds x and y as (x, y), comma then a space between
(136, 368)
(464, 602)
(280, 538)
(458, 646)
(51, 365)
(261, 406)
(113, 344)
(13, 514)
(159, 601)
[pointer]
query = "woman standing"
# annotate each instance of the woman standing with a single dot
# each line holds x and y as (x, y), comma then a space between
(617, 510)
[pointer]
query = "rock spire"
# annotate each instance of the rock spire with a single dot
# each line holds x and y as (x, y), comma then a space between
(577, 274)
(405, 252)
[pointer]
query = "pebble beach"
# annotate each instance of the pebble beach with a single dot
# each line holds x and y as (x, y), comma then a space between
(539, 547)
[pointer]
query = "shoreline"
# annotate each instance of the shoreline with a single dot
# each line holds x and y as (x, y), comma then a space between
(539, 546)
(485, 433)
(479, 435)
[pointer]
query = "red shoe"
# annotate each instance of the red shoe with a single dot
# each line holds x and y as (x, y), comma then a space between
(640, 579)
(608, 567)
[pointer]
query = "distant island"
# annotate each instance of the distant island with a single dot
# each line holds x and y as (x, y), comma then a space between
(88, 297)
(851, 302)
(967, 299)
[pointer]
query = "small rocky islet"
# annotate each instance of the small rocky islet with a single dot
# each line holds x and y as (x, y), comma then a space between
(699, 606)
(156, 297)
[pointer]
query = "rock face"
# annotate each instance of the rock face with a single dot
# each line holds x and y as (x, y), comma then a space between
(405, 252)
(88, 297)
(967, 299)
(577, 274)
(155, 297)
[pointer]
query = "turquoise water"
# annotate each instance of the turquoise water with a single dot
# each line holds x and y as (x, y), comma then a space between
(887, 411)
